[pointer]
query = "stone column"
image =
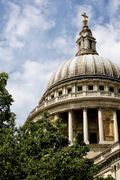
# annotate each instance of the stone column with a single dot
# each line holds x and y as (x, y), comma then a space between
(70, 127)
(116, 136)
(56, 96)
(73, 90)
(85, 126)
(100, 126)
(64, 90)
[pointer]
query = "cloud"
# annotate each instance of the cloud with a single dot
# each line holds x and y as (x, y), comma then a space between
(21, 20)
(63, 45)
(27, 77)
(108, 42)
(28, 85)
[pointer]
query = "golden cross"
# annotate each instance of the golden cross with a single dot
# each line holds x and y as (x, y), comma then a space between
(84, 15)
(85, 20)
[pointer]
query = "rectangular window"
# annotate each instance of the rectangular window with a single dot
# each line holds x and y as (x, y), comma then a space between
(52, 96)
(101, 88)
(69, 90)
(90, 87)
(79, 88)
(111, 89)
(118, 90)
(60, 93)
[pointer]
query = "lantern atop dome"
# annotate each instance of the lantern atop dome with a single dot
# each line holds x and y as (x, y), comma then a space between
(86, 43)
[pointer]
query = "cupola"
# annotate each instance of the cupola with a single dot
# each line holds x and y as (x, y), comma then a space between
(86, 43)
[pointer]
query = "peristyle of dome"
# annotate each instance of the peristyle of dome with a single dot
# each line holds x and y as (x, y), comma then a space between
(86, 65)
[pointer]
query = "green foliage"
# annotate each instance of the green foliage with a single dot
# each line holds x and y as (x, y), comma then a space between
(39, 151)
(44, 153)
(7, 131)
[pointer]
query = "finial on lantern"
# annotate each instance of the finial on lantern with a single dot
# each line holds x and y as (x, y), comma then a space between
(85, 19)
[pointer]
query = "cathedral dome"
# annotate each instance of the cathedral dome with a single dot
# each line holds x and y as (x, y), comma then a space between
(87, 63)
(85, 66)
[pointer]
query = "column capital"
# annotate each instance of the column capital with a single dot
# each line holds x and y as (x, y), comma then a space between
(85, 108)
(70, 110)
(101, 108)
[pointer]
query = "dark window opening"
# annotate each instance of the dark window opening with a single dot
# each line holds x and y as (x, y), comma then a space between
(60, 93)
(118, 118)
(69, 90)
(93, 138)
(90, 87)
(101, 88)
(118, 90)
(90, 44)
(52, 96)
(111, 89)
(79, 88)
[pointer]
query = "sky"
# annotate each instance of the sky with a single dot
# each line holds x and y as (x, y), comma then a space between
(37, 36)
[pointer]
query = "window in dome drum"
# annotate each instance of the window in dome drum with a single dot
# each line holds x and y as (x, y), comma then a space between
(101, 88)
(60, 93)
(111, 89)
(90, 87)
(69, 90)
(52, 96)
(79, 88)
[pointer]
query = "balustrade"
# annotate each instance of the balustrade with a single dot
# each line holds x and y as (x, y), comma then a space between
(79, 94)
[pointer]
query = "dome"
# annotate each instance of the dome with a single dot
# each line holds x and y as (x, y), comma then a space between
(85, 66)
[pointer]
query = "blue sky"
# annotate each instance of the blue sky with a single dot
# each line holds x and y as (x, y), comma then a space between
(36, 36)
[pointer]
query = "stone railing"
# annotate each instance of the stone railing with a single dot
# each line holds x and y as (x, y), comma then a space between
(78, 95)
(114, 147)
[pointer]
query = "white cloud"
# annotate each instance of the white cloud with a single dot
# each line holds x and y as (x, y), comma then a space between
(22, 20)
(28, 85)
(114, 6)
(108, 42)
(41, 2)
(27, 80)
(63, 45)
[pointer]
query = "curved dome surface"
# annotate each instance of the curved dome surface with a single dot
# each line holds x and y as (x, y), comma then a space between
(91, 65)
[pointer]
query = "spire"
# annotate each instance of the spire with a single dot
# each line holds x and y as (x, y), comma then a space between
(86, 43)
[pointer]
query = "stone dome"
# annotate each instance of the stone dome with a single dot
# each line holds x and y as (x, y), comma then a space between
(85, 66)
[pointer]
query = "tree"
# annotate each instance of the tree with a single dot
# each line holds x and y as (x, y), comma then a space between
(44, 153)
(40, 150)
(7, 130)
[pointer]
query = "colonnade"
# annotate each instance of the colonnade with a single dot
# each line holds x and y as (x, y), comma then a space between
(85, 126)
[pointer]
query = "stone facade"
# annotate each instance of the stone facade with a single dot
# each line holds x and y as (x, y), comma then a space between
(109, 160)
